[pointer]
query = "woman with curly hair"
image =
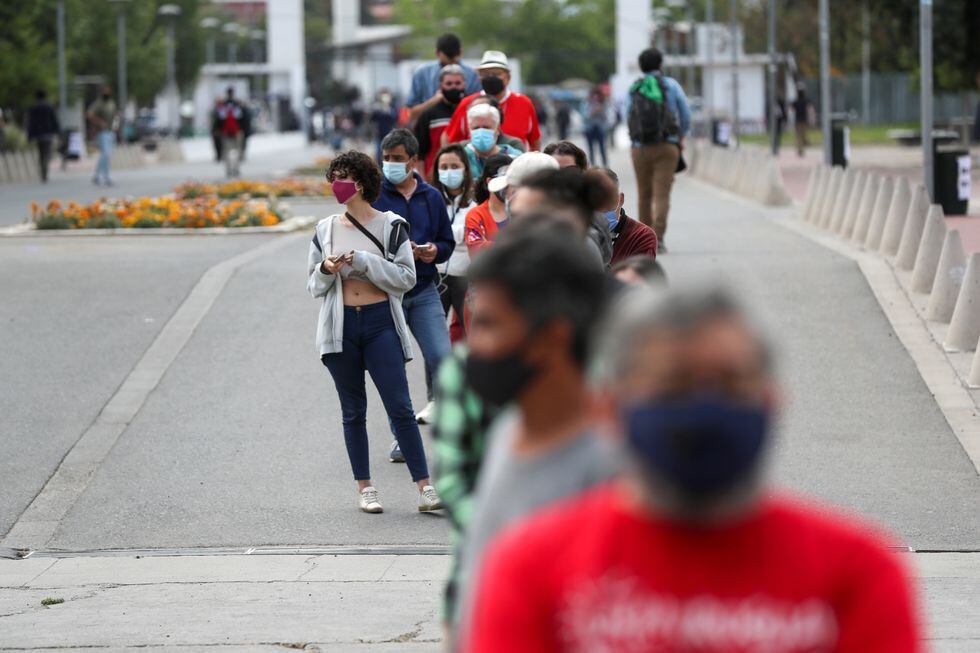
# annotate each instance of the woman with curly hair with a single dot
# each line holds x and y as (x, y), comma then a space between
(360, 264)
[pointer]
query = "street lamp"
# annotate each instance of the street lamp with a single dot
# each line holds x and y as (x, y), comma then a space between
(121, 30)
(210, 24)
(169, 12)
(62, 84)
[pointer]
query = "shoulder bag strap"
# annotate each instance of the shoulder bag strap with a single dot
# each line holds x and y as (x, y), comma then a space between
(367, 233)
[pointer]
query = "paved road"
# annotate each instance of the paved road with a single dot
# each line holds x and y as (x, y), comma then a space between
(240, 443)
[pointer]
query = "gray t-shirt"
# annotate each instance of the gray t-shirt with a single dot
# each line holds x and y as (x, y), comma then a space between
(511, 486)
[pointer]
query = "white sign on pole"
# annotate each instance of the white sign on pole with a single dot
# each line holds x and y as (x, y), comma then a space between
(964, 178)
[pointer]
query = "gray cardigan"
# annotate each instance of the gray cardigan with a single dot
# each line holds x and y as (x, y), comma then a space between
(394, 274)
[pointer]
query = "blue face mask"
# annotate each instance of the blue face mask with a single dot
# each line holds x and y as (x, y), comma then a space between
(483, 139)
(612, 217)
(452, 178)
(394, 171)
(702, 445)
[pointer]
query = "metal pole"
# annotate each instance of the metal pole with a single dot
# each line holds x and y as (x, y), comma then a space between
(925, 63)
(62, 85)
(123, 96)
(689, 43)
(734, 44)
(210, 49)
(866, 63)
(172, 75)
(773, 118)
(825, 78)
(707, 80)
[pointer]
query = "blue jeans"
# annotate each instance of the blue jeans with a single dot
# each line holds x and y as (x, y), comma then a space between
(371, 343)
(427, 321)
(106, 139)
(595, 134)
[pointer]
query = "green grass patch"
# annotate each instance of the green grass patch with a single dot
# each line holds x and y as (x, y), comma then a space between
(50, 601)
(860, 135)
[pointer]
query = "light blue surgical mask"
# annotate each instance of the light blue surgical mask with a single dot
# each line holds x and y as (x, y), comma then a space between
(483, 139)
(612, 217)
(394, 171)
(451, 178)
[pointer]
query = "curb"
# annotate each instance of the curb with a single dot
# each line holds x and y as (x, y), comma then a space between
(28, 229)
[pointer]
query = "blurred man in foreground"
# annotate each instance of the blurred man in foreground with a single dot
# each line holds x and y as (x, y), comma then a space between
(691, 551)
(536, 297)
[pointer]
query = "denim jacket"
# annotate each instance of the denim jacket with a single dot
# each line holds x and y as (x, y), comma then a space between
(395, 277)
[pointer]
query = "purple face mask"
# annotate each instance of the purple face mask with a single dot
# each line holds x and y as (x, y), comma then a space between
(343, 190)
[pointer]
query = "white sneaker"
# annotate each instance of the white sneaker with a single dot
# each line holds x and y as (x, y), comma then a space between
(429, 499)
(427, 414)
(370, 501)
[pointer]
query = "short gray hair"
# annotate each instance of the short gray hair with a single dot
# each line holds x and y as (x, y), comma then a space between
(483, 111)
(641, 312)
(452, 69)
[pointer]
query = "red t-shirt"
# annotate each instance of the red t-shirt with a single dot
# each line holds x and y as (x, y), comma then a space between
(520, 119)
(481, 228)
(633, 239)
(595, 574)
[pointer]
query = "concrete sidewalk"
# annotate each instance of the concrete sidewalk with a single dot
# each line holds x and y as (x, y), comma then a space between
(325, 602)
(244, 602)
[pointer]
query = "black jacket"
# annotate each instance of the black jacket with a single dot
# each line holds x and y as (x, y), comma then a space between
(42, 121)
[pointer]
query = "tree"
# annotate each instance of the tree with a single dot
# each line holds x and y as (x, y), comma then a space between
(554, 39)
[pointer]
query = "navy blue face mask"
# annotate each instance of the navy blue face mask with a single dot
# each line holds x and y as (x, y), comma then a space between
(702, 445)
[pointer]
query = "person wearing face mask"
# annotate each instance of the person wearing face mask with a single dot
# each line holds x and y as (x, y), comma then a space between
(536, 298)
(103, 114)
(630, 237)
(426, 91)
(434, 120)
(520, 120)
(383, 118)
(691, 549)
(453, 180)
(405, 193)
(361, 264)
(484, 123)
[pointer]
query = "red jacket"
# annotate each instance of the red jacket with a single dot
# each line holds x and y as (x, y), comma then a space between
(632, 238)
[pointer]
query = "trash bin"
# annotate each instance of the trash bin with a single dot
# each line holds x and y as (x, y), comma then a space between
(840, 140)
(951, 179)
(721, 132)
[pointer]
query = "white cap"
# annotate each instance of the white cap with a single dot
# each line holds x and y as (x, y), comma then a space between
(493, 59)
(521, 168)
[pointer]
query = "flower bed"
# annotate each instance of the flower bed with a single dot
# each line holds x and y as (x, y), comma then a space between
(316, 169)
(289, 187)
(150, 212)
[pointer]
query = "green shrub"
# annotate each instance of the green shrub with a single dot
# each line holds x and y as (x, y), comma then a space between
(54, 221)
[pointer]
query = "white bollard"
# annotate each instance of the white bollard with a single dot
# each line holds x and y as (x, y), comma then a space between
(930, 248)
(949, 278)
(811, 190)
(915, 222)
(850, 211)
(859, 230)
(879, 214)
(830, 198)
(973, 380)
(964, 326)
(822, 184)
(843, 198)
(899, 208)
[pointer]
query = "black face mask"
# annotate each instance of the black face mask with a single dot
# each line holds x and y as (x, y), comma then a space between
(492, 85)
(453, 95)
(498, 381)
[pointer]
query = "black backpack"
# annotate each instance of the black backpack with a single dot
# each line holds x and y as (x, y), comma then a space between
(649, 121)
